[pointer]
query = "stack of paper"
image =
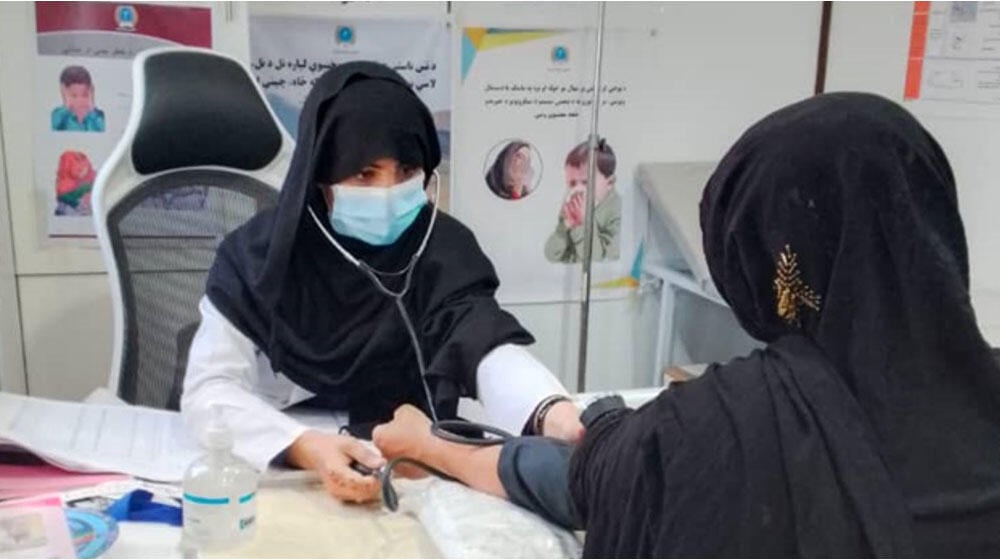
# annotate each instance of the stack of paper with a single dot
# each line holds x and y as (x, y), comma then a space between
(143, 442)
(113, 438)
(21, 481)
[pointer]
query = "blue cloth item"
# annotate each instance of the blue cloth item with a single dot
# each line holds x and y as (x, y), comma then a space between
(138, 505)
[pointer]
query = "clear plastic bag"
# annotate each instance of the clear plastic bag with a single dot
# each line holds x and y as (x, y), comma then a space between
(464, 523)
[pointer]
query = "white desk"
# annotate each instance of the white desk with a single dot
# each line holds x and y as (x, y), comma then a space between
(145, 540)
(293, 522)
(436, 519)
(673, 192)
(666, 332)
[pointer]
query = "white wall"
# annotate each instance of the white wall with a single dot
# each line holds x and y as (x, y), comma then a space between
(12, 377)
(869, 43)
(718, 67)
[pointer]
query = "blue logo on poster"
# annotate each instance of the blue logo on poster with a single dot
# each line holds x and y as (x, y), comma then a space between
(560, 54)
(345, 34)
(126, 18)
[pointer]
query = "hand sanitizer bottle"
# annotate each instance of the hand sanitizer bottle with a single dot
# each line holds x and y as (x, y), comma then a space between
(220, 493)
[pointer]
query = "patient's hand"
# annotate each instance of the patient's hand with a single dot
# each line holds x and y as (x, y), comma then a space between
(407, 435)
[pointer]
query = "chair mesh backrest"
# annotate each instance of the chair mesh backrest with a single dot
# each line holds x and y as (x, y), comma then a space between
(164, 235)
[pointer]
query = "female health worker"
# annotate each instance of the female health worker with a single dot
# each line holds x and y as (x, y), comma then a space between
(327, 297)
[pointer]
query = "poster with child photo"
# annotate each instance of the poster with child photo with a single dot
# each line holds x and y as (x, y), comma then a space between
(77, 111)
(83, 76)
(565, 245)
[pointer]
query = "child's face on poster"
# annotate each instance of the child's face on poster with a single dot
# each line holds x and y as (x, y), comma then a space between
(78, 98)
(576, 181)
(574, 206)
(519, 171)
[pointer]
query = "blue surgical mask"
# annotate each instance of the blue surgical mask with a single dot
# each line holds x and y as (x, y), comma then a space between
(377, 215)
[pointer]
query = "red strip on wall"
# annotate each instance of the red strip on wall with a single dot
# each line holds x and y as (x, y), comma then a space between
(918, 42)
(182, 25)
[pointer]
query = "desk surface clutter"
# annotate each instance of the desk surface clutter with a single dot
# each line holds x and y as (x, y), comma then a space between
(436, 519)
(295, 516)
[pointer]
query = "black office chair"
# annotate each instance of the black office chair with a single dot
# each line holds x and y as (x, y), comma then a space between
(201, 154)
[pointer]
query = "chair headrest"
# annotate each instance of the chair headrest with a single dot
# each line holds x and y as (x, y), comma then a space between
(202, 109)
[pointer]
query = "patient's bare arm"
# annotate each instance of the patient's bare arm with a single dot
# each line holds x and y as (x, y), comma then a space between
(409, 435)
(532, 472)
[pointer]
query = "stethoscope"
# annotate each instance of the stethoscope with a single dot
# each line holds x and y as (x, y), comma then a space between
(444, 429)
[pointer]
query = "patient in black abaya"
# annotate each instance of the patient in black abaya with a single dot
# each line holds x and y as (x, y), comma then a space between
(870, 423)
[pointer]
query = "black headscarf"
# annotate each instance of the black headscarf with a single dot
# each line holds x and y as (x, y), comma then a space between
(870, 425)
(319, 319)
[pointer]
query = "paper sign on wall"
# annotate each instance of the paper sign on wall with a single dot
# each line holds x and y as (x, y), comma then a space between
(288, 54)
(523, 115)
(83, 81)
(954, 52)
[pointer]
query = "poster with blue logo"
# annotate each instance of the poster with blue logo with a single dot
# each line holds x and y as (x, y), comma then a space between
(288, 54)
(522, 114)
(84, 84)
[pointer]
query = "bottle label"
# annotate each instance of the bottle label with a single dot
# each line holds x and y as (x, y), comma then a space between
(211, 521)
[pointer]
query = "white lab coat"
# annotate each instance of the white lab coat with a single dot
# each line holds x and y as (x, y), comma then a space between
(225, 368)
